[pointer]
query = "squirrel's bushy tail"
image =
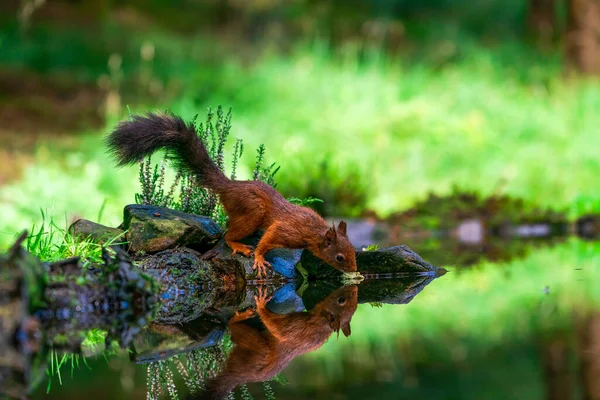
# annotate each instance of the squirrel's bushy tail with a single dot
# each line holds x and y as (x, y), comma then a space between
(141, 136)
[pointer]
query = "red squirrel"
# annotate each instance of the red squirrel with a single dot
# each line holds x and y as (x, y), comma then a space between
(260, 355)
(250, 205)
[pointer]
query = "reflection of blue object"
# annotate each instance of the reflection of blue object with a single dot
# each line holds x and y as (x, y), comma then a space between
(212, 338)
(284, 261)
(285, 300)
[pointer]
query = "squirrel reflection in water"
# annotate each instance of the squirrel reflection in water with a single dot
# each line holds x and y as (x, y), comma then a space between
(259, 355)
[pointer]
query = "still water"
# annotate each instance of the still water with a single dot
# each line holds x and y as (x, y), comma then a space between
(526, 327)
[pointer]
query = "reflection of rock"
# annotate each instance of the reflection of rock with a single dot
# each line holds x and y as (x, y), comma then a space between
(55, 304)
(588, 226)
(19, 331)
(160, 342)
(388, 260)
(190, 284)
(471, 231)
(386, 291)
(151, 229)
(113, 296)
(82, 228)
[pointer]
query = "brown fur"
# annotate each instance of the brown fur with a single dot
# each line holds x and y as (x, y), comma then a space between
(250, 205)
(259, 356)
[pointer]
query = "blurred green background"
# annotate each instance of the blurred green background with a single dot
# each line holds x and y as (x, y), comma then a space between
(367, 104)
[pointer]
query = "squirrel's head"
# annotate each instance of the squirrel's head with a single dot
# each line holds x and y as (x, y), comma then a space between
(336, 250)
(339, 307)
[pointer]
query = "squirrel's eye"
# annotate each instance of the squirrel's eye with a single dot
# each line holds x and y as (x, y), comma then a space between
(341, 300)
(339, 258)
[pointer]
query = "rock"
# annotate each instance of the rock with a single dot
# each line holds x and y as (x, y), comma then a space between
(84, 229)
(283, 261)
(190, 285)
(152, 229)
(388, 260)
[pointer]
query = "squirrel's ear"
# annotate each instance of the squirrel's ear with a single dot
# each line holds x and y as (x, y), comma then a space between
(346, 329)
(342, 228)
(332, 321)
(328, 316)
(330, 236)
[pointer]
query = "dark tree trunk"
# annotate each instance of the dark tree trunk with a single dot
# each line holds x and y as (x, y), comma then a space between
(589, 354)
(583, 36)
(542, 20)
(558, 375)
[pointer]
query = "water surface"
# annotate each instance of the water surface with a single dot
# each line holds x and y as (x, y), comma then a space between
(526, 328)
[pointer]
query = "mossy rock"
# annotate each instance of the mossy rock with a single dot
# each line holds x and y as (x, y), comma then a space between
(84, 229)
(152, 229)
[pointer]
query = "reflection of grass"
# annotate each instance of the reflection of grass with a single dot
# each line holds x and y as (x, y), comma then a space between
(468, 313)
(92, 344)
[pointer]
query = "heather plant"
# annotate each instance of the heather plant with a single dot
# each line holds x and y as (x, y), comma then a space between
(193, 198)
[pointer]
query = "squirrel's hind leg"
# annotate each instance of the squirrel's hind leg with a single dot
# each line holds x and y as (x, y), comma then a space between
(239, 227)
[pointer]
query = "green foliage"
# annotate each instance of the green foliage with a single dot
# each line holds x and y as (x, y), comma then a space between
(152, 182)
(261, 173)
(304, 202)
(269, 392)
(281, 379)
(372, 247)
(245, 392)
(401, 128)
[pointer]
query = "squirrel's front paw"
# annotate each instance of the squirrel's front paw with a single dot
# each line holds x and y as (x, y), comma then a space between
(247, 313)
(262, 299)
(260, 265)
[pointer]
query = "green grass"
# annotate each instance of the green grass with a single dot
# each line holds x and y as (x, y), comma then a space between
(51, 242)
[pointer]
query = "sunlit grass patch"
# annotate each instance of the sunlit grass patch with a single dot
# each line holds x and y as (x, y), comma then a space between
(51, 242)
